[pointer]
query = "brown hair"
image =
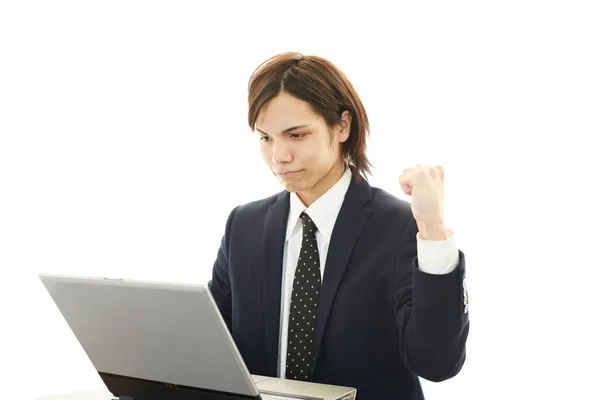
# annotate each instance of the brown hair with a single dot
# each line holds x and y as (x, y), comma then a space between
(324, 87)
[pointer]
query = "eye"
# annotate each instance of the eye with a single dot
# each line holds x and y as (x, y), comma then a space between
(264, 138)
(297, 135)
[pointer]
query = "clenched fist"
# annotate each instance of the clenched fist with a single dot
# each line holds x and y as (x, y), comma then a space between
(425, 185)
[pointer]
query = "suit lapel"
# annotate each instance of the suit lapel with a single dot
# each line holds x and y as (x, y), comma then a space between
(273, 243)
(348, 225)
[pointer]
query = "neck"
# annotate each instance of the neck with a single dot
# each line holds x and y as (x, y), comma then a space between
(335, 173)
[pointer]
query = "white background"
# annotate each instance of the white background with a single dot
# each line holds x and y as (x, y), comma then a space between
(124, 146)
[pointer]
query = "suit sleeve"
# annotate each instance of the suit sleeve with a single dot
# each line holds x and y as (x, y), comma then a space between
(219, 285)
(431, 313)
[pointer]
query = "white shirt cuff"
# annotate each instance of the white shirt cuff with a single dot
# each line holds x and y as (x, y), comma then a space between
(437, 257)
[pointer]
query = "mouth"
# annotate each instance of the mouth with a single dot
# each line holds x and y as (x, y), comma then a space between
(287, 174)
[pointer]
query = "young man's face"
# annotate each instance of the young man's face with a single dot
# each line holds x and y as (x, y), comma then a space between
(307, 160)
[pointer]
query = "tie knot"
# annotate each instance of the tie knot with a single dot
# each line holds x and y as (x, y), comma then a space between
(308, 226)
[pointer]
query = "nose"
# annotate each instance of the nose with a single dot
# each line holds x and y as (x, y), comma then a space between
(281, 153)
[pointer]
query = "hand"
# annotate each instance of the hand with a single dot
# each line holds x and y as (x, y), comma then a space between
(425, 185)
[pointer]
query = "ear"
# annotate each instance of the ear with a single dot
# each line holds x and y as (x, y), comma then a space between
(343, 132)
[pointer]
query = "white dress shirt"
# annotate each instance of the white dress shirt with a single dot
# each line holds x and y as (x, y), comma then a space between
(435, 257)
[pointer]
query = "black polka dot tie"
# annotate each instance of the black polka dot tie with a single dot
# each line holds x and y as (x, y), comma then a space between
(303, 306)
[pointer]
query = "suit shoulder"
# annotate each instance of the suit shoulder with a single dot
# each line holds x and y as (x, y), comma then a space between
(256, 208)
(260, 204)
(390, 213)
(385, 203)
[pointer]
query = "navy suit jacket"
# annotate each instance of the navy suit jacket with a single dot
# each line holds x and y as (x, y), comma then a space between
(381, 321)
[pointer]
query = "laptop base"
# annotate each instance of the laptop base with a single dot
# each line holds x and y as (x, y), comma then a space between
(128, 388)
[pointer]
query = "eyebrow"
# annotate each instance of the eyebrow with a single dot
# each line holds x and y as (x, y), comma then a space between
(285, 131)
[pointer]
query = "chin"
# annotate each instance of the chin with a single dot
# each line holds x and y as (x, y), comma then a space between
(294, 187)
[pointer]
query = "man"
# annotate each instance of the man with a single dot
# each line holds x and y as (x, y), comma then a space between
(332, 280)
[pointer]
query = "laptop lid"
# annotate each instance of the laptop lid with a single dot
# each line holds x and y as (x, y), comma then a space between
(163, 332)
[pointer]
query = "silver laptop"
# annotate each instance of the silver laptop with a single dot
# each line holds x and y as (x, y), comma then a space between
(164, 333)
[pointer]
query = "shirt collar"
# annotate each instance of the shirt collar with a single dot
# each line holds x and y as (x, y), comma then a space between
(324, 210)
